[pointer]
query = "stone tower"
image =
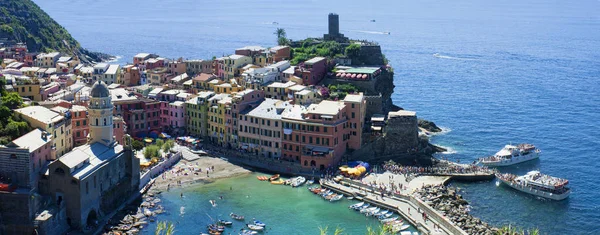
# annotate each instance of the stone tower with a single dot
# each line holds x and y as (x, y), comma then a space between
(100, 115)
(334, 24)
(334, 29)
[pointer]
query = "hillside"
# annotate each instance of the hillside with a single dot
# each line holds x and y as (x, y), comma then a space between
(24, 21)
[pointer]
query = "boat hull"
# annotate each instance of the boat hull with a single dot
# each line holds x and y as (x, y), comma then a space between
(512, 161)
(536, 192)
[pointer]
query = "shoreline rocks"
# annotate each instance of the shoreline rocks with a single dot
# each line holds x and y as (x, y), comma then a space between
(428, 126)
(449, 203)
(135, 218)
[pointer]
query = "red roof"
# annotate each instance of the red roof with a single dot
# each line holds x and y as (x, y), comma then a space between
(203, 77)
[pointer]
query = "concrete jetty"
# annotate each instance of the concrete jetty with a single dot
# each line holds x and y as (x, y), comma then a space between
(405, 205)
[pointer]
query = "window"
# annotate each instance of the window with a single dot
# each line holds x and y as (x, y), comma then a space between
(77, 123)
(353, 112)
(84, 122)
(324, 129)
(13, 156)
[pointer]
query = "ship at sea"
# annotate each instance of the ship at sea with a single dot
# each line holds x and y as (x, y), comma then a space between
(538, 184)
(510, 155)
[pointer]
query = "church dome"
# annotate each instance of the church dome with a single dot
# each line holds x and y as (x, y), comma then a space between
(99, 90)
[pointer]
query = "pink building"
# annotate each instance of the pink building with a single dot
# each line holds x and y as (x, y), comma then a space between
(79, 122)
(219, 67)
(312, 71)
(22, 160)
(318, 136)
(241, 101)
(176, 114)
(119, 129)
(357, 109)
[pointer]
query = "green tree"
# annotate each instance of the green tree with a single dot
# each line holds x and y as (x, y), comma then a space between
(152, 151)
(137, 145)
(280, 33)
(168, 145)
(353, 51)
(12, 100)
(281, 37)
(2, 83)
(160, 143)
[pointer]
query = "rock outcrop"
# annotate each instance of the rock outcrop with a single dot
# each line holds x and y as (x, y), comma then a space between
(451, 204)
(429, 126)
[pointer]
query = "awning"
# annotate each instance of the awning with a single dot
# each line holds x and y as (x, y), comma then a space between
(327, 116)
(164, 135)
(148, 140)
(376, 128)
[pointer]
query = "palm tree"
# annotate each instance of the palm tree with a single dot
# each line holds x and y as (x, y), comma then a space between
(280, 33)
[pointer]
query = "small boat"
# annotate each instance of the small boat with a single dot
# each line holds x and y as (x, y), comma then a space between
(366, 205)
(258, 223)
(404, 227)
(336, 198)
(372, 20)
(298, 181)
(262, 178)
(274, 177)
(381, 213)
(213, 203)
(405, 233)
(389, 219)
(214, 227)
(368, 209)
(255, 227)
(387, 215)
(310, 182)
(350, 198)
(225, 222)
(248, 232)
(370, 213)
(277, 182)
(356, 205)
(288, 182)
(236, 217)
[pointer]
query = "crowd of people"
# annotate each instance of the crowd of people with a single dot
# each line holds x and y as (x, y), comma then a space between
(441, 169)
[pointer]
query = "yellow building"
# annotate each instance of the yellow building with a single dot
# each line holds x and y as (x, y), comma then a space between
(228, 88)
(218, 108)
(30, 89)
(52, 122)
(197, 114)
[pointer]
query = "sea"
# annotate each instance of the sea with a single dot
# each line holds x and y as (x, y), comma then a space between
(490, 73)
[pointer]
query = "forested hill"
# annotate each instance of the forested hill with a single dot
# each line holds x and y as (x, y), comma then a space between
(25, 21)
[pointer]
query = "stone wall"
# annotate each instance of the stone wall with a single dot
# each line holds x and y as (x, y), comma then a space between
(16, 213)
(369, 55)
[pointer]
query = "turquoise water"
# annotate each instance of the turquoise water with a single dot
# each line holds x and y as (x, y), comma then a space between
(508, 71)
(284, 209)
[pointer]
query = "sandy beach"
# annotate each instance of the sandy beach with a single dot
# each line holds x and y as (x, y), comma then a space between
(186, 173)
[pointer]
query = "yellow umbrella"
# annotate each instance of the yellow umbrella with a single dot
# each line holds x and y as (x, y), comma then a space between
(148, 140)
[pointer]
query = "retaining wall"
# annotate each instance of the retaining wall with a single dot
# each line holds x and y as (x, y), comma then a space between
(160, 167)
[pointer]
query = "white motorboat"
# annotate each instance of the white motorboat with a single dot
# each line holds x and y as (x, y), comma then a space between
(381, 213)
(336, 198)
(405, 233)
(510, 155)
(310, 182)
(248, 232)
(365, 210)
(258, 223)
(255, 227)
(370, 213)
(298, 181)
(389, 219)
(538, 184)
(357, 205)
(366, 205)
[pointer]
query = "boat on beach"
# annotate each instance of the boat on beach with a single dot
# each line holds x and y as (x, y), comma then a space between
(538, 184)
(511, 154)
(274, 177)
(278, 182)
(298, 181)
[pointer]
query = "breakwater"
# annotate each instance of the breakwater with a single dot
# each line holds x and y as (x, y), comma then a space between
(451, 204)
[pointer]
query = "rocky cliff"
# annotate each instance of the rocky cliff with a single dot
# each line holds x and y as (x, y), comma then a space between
(24, 21)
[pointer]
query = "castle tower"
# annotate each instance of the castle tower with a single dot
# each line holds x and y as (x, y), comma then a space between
(100, 115)
(334, 24)
(334, 29)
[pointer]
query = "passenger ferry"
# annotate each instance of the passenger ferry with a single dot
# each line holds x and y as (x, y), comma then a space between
(538, 184)
(510, 155)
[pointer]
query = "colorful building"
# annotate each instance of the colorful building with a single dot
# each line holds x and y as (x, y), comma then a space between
(201, 82)
(260, 129)
(197, 114)
(218, 107)
(57, 125)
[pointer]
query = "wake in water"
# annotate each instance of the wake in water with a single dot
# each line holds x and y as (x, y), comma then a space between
(449, 150)
(438, 55)
(370, 32)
